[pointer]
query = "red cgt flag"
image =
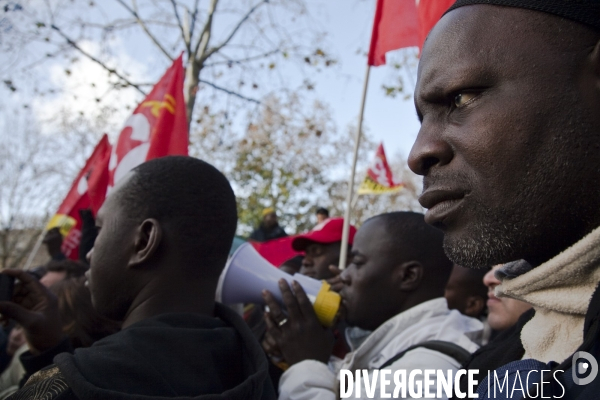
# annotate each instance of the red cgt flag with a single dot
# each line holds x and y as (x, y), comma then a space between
(157, 127)
(379, 177)
(403, 23)
(87, 192)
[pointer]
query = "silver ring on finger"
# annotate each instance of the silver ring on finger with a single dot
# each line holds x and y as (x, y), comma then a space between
(283, 322)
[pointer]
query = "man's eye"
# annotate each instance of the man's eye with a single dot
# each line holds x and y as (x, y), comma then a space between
(357, 261)
(463, 98)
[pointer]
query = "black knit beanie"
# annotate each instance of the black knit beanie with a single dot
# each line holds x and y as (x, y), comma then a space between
(586, 12)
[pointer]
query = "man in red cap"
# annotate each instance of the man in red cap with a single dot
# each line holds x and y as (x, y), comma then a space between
(322, 249)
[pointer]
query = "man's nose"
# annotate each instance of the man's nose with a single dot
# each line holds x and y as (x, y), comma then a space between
(345, 276)
(307, 261)
(430, 149)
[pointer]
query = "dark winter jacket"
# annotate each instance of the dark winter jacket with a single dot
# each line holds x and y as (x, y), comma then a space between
(170, 356)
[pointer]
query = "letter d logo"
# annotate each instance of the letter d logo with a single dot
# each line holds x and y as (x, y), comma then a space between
(581, 368)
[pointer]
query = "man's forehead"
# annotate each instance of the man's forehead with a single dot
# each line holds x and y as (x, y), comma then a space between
(469, 39)
(372, 234)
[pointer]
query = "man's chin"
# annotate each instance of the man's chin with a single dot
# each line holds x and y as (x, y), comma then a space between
(477, 251)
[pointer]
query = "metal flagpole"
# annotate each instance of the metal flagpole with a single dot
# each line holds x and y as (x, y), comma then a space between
(37, 245)
(346, 228)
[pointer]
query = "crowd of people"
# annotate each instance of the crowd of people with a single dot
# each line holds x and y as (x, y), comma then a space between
(500, 275)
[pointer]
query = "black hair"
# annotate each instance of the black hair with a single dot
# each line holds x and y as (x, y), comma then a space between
(411, 238)
(73, 269)
(193, 201)
(322, 210)
(472, 280)
(294, 263)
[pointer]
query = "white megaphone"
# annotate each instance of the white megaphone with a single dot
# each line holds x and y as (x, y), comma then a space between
(247, 274)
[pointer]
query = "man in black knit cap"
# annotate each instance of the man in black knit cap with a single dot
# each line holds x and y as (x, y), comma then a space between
(508, 94)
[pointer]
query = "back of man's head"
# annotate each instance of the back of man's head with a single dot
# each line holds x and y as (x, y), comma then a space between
(192, 201)
(164, 236)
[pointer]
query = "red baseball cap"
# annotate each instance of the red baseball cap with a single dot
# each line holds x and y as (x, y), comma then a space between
(328, 231)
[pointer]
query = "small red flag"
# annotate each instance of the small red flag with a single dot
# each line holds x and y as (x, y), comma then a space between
(403, 23)
(157, 127)
(87, 192)
(379, 177)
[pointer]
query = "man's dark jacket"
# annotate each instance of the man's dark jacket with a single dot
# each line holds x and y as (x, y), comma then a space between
(262, 234)
(180, 355)
(503, 349)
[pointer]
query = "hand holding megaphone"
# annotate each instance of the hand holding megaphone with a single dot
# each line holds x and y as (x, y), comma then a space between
(297, 335)
(248, 274)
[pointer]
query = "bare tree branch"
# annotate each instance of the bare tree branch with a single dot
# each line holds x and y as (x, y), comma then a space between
(185, 36)
(242, 60)
(202, 44)
(230, 92)
(145, 28)
(194, 18)
(97, 61)
(233, 32)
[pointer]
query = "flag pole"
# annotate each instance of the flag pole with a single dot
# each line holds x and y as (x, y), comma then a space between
(35, 250)
(346, 228)
(38, 244)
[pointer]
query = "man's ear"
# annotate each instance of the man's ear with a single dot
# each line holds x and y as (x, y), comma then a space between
(409, 275)
(147, 240)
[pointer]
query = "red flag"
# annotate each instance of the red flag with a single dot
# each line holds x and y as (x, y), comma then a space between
(157, 127)
(403, 23)
(88, 191)
(395, 26)
(276, 251)
(430, 12)
(379, 177)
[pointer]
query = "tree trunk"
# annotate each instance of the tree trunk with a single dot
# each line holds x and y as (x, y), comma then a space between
(192, 77)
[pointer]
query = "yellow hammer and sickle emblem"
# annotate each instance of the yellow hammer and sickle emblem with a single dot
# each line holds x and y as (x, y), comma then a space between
(168, 103)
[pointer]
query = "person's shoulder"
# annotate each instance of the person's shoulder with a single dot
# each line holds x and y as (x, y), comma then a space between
(48, 384)
(424, 358)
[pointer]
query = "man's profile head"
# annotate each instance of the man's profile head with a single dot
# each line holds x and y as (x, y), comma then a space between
(397, 262)
(503, 312)
(321, 247)
(165, 229)
(509, 100)
(466, 292)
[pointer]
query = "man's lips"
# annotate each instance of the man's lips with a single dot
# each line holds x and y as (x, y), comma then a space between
(492, 298)
(440, 203)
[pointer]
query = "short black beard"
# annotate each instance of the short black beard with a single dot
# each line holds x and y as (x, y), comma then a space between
(486, 245)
